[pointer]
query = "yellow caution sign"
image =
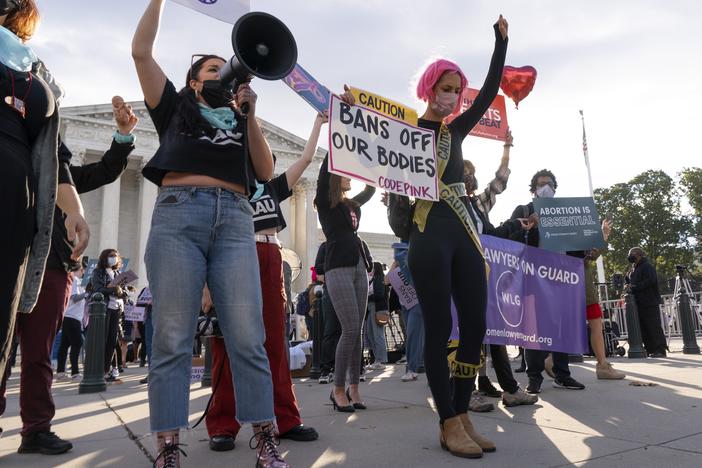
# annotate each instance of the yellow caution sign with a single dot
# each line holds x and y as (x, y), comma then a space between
(385, 106)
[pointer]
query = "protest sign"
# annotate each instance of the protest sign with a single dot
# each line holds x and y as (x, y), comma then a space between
(309, 89)
(493, 125)
(385, 106)
(381, 151)
(133, 313)
(92, 263)
(568, 224)
(536, 298)
(197, 371)
(224, 10)
(145, 297)
(123, 279)
(403, 288)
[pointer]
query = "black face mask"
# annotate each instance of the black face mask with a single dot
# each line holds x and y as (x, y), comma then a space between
(9, 6)
(215, 95)
(631, 259)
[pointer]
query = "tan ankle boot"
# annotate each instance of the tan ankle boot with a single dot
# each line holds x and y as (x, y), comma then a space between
(485, 444)
(454, 439)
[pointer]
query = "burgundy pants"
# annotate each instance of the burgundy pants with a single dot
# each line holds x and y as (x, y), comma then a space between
(36, 332)
(221, 417)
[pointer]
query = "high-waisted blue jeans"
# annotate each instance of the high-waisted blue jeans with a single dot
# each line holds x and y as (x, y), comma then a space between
(203, 235)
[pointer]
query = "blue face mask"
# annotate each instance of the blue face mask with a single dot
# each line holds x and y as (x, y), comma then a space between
(14, 53)
(221, 117)
(259, 191)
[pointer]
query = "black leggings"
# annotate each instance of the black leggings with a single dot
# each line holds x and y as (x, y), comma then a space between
(445, 263)
(111, 330)
(71, 337)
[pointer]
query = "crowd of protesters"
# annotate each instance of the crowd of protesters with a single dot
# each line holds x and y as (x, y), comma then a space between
(216, 221)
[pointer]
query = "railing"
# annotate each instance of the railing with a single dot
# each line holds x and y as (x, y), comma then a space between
(670, 319)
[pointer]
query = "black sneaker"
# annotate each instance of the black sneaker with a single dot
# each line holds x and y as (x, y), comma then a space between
(45, 442)
(145, 380)
(485, 387)
(221, 443)
(300, 433)
(534, 387)
(569, 383)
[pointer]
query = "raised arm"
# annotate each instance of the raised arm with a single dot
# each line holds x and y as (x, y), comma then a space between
(295, 171)
(363, 197)
(465, 122)
(322, 198)
(151, 77)
(488, 197)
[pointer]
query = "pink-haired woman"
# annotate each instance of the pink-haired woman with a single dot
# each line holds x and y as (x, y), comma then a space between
(444, 236)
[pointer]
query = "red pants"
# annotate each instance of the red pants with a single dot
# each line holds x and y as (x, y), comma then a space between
(221, 417)
(37, 331)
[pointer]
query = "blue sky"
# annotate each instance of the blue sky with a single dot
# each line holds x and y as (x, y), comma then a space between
(633, 66)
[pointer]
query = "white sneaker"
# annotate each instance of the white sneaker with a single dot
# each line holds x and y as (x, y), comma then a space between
(77, 377)
(61, 376)
(409, 376)
(375, 366)
(114, 373)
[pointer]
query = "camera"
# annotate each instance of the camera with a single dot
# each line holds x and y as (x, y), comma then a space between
(681, 268)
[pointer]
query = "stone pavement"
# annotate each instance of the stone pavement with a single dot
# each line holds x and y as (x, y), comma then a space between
(610, 424)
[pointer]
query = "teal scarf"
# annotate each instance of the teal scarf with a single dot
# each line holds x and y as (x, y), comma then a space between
(221, 117)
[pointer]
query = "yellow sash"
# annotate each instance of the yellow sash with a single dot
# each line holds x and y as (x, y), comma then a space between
(451, 194)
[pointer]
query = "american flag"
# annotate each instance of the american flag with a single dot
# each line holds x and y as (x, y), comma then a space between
(587, 159)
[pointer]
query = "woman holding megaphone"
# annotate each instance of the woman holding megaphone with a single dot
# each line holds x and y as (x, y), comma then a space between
(202, 233)
(444, 236)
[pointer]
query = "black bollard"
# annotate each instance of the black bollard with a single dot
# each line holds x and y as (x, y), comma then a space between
(94, 368)
(317, 332)
(207, 374)
(687, 323)
(633, 328)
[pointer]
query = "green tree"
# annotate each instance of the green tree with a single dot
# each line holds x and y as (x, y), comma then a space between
(646, 212)
(691, 182)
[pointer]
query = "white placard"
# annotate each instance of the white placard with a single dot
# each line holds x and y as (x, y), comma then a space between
(381, 151)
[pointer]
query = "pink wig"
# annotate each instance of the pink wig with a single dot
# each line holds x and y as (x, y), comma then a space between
(432, 75)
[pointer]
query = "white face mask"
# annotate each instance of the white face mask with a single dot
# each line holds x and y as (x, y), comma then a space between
(444, 103)
(545, 191)
(112, 261)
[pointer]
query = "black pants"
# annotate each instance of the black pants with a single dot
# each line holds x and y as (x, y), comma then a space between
(503, 369)
(651, 330)
(445, 264)
(535, 364)
(332, 333)
(71, 336)
(17, 195)
(111, 328)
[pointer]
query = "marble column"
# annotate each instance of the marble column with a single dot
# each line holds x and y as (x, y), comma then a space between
(109, 216)
(301, 234)
(147, 198)
(286, 235)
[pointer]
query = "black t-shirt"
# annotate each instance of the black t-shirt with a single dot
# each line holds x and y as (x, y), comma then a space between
(216, 153)
(266, 208)
(18, 133)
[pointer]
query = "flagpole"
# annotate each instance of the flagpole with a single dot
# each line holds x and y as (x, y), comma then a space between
(600, 260)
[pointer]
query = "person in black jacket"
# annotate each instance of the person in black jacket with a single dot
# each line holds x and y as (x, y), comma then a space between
(543, 185)
(346, 262)
(38, 329)
(643, 284)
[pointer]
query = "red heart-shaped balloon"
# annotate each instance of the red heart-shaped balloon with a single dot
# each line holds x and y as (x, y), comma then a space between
(517, 83)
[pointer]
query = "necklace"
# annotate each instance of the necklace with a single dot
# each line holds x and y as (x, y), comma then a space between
(15, 102)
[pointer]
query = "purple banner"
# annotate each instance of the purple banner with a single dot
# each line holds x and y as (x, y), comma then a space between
(536, 298)
(309, 89)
